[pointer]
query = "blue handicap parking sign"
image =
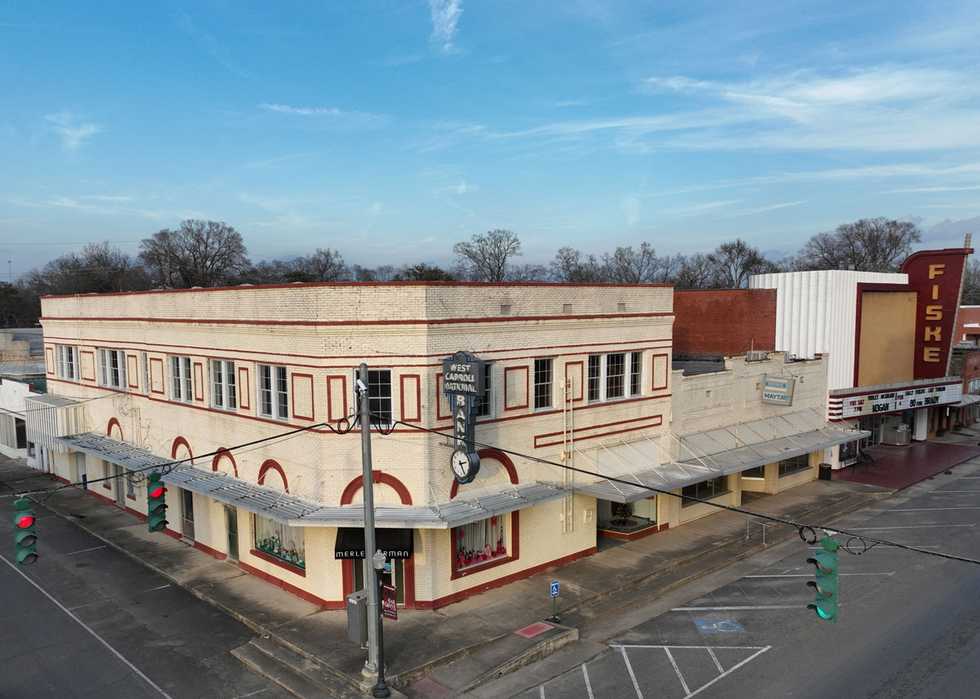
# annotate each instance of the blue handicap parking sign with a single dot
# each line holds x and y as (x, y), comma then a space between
(718, 626)
(555, 588)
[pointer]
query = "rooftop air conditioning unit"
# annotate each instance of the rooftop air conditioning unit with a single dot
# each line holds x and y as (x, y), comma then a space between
(756, 356)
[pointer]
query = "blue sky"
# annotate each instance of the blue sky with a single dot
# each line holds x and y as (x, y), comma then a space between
(390, 130)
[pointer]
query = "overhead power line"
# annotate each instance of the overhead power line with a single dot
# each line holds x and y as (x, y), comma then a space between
(807, 532)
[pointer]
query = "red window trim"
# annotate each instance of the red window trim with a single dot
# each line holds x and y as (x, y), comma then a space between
(514, 555)
(269, 558)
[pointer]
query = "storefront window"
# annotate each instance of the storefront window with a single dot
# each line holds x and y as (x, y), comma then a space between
(705, 490)
(279, 541)
(479, 543)
(795, 465)
(757, 472)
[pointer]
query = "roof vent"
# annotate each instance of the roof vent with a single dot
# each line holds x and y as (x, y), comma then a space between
(566, 308)
(505, 309)
(756, 356)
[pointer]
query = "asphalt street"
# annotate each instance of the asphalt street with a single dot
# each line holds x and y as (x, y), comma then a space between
(87, 621)
(909, 624)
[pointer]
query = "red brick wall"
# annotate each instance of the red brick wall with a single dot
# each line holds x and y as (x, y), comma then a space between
(724, 322)
(971, 369)
(967, 314)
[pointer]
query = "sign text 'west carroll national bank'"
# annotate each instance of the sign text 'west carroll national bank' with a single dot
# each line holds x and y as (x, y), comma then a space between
(462, 375)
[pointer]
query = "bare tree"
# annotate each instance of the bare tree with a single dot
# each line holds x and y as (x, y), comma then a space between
(197, 253)
(696, 272)
(527, 273)
(629, 266)
(971, 283)
(570, 265)
(667, 268)
(424, 273)
(734, 262)
(486, 255)
(324, 265)
(870, 245)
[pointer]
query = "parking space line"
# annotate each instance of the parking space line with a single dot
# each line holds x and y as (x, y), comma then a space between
(541, 691)
(629, 669)
(94, 548)
(929, 509)
(588, 684)
(808, 575)
(727, 672)
(943, 492)
(687, 690)
(912, 526)
(85, 626)
(111, 599)
(737, 609)
(715, 658)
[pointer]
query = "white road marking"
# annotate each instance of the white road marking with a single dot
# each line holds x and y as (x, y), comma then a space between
(912, 526)
(727, 672)
(736, 609)
(588, 684)
(943, 492)
(809, 575)
(252, 694)
(85, 626)
(687, 690)
(715, 658)
(629, 669)
(541, 691)
(929, 509)
(881, 546)
(640, 645)
(972, 478)
(111, 599)
(94, 548)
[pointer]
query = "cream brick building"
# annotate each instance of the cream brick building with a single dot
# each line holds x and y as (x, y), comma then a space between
(577, 374)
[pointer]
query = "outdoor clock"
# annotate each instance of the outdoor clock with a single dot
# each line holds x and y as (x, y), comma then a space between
(465, 466)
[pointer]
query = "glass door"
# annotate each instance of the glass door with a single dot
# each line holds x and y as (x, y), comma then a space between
(231, 517)
(393, 574)
(187, 513)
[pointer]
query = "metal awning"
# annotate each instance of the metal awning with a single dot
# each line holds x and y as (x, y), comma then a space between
(966, 400)
(301, 512)
(115, 452)
(713, 453)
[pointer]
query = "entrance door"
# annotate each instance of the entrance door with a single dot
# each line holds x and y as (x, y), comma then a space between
(120, 485)
(393, 574)
(187, 513)
(231, 517)
(79, 467)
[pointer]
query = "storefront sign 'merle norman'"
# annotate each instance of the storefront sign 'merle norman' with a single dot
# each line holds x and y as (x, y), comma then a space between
(936, 276)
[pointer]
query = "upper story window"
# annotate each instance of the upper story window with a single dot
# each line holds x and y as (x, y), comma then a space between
(181, 379)
(484, 403)
(542, 382)
(273, 391)
(112, 368)
(66, 362)
(223, 393)
(615, 375)
(379, 396)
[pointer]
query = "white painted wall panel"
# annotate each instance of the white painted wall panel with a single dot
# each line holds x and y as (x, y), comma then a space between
(816, 312)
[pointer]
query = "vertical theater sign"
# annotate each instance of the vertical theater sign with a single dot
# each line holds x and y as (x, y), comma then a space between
(937, 278)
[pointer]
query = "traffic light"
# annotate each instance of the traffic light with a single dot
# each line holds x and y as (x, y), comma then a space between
(825, 584)
(25, 537)
(156, 503)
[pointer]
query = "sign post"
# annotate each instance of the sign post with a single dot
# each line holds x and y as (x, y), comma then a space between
(462, 383)
(554, 591)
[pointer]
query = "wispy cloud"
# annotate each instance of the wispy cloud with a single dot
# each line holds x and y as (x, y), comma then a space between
(765, 209)
(72, 131)
(301, 111)
(331, 115)
(926, 190)
(209, 44)
(696, 209)
(106, 205)
(445, 19)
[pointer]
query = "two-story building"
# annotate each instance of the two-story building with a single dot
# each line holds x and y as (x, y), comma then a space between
(581, 375)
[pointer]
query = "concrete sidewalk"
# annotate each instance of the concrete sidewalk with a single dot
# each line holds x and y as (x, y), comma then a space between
(447, 651)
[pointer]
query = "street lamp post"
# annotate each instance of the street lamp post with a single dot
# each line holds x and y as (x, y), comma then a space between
(380, 689)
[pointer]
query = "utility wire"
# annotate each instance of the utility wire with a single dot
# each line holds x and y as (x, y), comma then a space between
(344, 426)
(807, 532)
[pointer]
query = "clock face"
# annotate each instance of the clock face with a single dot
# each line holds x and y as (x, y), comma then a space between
(461, 464)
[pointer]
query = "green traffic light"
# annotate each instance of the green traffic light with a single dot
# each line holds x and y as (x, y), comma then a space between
(825, 581)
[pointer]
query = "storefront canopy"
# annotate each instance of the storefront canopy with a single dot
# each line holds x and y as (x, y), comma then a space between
(713, 453)
(301, 512)
(395, 543)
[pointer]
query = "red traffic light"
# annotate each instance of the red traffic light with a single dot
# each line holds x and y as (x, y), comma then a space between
(24, 521)
(157, 491)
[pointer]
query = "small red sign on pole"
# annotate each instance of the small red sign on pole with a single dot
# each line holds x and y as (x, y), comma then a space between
(389, 606)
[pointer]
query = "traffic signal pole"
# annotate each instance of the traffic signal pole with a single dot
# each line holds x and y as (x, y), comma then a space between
(370, 575)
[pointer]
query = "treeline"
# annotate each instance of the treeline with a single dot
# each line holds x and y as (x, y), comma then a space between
(212, 253)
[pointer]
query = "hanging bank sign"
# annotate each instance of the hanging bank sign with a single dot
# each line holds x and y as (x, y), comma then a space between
(936, 276)
(462, 382)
